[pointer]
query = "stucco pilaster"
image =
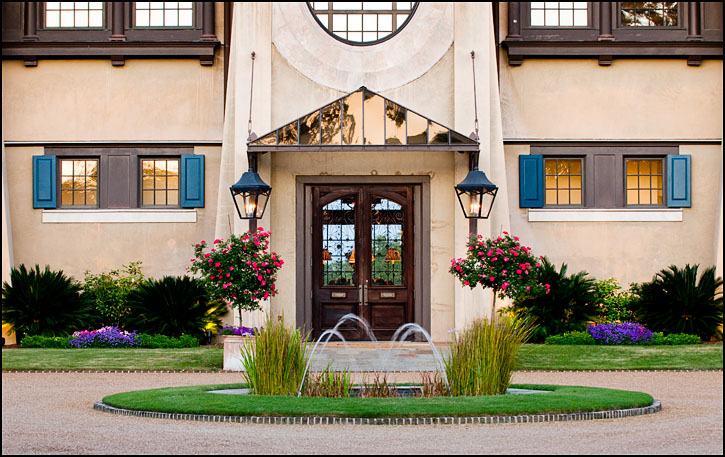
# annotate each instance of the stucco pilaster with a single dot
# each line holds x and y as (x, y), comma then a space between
(474, 32)
(251, 32)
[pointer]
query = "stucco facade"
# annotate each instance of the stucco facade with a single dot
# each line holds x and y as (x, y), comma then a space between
(426, 67)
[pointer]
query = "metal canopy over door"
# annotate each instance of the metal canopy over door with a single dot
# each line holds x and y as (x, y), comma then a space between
(362, 257)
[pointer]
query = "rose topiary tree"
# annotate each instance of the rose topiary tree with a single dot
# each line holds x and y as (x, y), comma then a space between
(241, 270)
(502, 264)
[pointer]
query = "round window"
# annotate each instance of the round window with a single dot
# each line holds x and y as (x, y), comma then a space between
(362, 23)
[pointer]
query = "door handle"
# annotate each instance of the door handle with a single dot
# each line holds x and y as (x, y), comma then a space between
(360, 296)
(365, 294)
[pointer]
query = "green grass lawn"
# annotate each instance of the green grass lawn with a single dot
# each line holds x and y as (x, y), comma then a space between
(532, 357)
(196, 400)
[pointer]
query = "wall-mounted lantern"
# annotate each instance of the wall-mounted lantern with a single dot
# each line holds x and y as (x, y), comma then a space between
(250, 193)
(476, 193)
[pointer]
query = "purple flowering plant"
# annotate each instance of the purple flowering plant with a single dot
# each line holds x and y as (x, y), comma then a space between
(106, 337)
(239, 331)
(620, 333)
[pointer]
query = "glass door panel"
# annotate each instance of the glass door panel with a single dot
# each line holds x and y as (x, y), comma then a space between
(387, 218)
(338, 242)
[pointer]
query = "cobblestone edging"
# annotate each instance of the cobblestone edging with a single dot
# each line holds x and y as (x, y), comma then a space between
(718, 370)
(656, 406)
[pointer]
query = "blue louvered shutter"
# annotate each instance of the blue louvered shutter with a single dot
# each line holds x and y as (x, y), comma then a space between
(679, 187)
(192, 181)
(531, 181)
(44, 182)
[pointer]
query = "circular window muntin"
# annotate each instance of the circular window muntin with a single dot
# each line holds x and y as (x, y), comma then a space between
(411, 12)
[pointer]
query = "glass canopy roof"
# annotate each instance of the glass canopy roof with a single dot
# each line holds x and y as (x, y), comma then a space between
(363, 120)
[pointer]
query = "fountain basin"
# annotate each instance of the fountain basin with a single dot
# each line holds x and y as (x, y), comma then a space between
(402, 391)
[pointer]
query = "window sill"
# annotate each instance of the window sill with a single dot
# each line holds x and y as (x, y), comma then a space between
(605, 215)
(118, 216)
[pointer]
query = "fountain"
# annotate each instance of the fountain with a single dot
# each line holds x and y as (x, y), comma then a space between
(400, 335)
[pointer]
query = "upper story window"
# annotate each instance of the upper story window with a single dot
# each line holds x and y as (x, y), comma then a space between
(562, 182)
(644, 181)
(649, 14)
(604, 177)
(160, 182)
(362, 22)
(559, 14)
(79, 183)
(73, 15)
(164, 14)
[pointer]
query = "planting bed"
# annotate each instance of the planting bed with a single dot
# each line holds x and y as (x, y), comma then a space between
(558, 403)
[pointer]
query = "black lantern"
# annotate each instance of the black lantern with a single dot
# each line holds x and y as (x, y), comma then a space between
(476, 194)
(250, 195)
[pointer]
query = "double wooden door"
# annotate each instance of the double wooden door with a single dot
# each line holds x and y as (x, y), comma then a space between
(362, 258)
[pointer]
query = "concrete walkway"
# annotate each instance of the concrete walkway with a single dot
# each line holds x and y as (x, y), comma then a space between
(45, 413)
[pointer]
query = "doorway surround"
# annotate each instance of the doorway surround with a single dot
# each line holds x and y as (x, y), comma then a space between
(421, 240)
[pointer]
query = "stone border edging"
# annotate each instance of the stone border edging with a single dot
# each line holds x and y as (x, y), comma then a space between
(655, 407)
(716, 370)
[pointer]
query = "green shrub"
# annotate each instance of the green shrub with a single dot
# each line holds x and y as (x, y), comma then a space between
(275, 363)
(166, 342)
(579, 338)
(658, 339)
(44, 303)
(172, 306)
(676, 302)
(676, 339)
(614, 304)
(48, 342)
(569, 305)
(483, 357)
(109, 291)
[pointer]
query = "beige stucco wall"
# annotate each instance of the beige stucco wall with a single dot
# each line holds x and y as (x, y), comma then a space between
(164, 248)
(293, 96)
(628, 251)
(90, 101)
(634, 99)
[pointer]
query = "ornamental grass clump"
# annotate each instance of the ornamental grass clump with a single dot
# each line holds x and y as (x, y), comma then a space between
(276, 359)
(620, 333)
(482, 359)
(334, 384)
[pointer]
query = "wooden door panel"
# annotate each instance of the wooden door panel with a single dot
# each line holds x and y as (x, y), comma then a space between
(381, 218)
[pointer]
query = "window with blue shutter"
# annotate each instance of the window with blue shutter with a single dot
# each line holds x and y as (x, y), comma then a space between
(44, 182)
(678, 181)
(192, 181)
(531, 181)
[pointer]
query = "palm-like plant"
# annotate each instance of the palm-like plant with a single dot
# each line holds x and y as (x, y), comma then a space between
(171, 306)
(46, 303)
(676, 302)
(568, 306)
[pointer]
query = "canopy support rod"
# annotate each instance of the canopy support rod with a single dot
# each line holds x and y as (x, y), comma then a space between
(251, 95)
(475, 97)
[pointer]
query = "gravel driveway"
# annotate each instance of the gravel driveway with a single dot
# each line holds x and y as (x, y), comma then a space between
(46, 413)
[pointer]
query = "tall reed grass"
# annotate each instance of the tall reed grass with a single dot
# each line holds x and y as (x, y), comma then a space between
(275, 363)
(483, 357)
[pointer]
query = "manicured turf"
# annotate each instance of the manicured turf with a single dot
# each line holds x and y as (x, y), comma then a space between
(196, 400)
(532, 357)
